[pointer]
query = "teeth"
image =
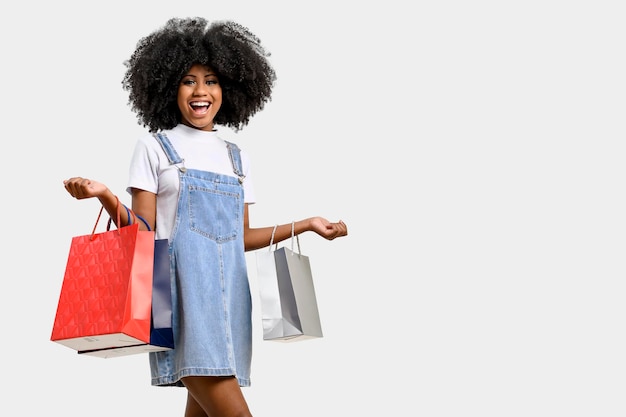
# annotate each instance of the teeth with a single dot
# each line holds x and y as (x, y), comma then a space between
(200, 103)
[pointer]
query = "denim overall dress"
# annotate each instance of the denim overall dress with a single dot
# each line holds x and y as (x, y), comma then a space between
(211, 300)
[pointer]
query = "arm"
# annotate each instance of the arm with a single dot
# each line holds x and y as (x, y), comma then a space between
(144, 205)
(82, 188)
(260, 237)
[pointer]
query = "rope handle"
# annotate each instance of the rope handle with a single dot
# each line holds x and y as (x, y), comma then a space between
(96, 225)
(272, 239)
(292, 236)
(128, 213)
(144, 221)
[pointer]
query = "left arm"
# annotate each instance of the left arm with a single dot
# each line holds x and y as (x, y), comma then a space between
(258, 238)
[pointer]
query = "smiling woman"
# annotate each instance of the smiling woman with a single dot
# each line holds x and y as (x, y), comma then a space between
(236, 54)
(193, 188)
(199, 97)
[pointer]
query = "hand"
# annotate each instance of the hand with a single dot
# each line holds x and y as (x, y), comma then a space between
(328, 230)
(81, 188)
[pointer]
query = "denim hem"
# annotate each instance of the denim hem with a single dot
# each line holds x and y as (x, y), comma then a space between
(175, 380)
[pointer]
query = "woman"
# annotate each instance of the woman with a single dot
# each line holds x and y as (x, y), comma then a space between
(193, 188)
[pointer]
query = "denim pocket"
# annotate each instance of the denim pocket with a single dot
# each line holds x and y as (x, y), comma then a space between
(214, 213)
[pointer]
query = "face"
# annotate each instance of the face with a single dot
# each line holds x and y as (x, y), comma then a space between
(199, 97)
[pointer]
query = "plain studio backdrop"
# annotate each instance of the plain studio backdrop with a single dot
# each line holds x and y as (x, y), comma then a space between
(475, 150)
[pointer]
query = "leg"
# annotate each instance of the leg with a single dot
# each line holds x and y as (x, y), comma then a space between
(193, 409)
(215, 396)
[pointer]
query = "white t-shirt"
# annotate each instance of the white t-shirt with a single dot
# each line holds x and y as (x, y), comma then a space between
(150, 170)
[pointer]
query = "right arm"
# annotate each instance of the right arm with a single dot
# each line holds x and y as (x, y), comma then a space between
(82, 188)
(144, 205)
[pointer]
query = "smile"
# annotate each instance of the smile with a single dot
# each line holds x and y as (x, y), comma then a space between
(200, 106)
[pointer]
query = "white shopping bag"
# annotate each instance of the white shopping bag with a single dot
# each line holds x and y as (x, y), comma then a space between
(288, 302)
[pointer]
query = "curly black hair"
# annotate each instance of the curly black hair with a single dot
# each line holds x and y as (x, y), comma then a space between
(162, 58)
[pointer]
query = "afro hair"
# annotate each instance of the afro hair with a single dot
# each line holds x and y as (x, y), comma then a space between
(161, 59)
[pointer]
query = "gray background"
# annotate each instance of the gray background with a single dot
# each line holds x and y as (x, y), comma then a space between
(475, 150)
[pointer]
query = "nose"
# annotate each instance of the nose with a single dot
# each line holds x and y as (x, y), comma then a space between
(201, 89)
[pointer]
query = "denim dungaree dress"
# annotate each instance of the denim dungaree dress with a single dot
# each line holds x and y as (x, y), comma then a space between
(211, 299)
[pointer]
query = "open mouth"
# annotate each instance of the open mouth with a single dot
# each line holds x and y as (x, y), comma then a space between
(200, 106)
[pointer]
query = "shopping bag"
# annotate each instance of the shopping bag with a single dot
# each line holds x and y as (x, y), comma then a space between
(106, 295)
(161, 334)
(288, 303)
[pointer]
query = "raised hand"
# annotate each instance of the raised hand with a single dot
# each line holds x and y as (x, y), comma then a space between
(328, 230)
(81, 188)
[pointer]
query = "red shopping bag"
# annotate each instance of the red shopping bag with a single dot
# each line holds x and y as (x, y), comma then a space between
(105, 300)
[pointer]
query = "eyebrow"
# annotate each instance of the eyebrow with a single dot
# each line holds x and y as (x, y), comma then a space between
(211, 74)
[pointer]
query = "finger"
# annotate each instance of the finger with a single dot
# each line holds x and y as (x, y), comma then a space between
(74, 180)
(71, 182)
(342, 228)
(78, 187)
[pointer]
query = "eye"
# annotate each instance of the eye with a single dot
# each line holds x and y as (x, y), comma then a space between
(188, 82)
(211, 82)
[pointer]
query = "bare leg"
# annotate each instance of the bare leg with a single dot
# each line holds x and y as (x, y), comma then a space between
(214, 396)
(193, 409)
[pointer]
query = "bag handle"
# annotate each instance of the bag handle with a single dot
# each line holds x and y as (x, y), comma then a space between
(135, 217)
(297, 238)
(144, 221)
(128, 212)
(93, 231)
(292, 236)
(272, 239)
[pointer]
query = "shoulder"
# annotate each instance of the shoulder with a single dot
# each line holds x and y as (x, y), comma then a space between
(148, 150)
(243, 154)
(147, 140)
(151, 141)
